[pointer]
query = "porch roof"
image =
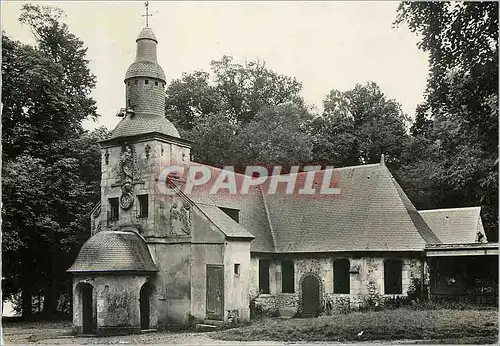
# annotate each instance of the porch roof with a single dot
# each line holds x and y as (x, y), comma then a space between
(452, 250)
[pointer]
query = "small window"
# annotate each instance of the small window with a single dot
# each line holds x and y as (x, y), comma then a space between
(341, 278)
(135, 82)
(236, 269)
(113, 209)
(232, 213)
(393, 277)
(156, 82)
(146, 81)
(128, 83)
(264, 276)
(143, 205)
(287, 277)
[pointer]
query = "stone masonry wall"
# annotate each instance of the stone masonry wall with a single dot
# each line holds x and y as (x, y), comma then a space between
(366, 278)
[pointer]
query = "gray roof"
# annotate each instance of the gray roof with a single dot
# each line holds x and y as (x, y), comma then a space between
(145, 68)
(252, 215)
(138, 124)
(147, 33)
(455, 225)
(226, 224)
(371, 213)
(114, 251)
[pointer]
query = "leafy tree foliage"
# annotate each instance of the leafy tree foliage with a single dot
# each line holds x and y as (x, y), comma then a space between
(51, 166)
(229, 112)
(240, 91)
(458, 122)
(357, 126)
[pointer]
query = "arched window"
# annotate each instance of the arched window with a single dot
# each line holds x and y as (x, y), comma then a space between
(287, 277)
(341, 279)
(393, 276)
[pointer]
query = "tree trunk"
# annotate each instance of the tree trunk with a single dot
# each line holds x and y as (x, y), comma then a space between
(26, 302)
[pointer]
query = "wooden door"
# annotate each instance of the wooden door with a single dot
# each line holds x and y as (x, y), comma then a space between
(310, 296)
(215, 292)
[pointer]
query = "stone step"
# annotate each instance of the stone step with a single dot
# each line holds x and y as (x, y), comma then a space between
(148, 330)
(205, 327)
(214, 322)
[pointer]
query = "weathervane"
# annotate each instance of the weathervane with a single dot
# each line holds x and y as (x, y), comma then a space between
(147, 15)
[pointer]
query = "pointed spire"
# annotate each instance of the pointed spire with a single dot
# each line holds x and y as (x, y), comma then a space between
(382, 160)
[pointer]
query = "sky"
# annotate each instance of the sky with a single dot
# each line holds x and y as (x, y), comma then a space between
(325, 45)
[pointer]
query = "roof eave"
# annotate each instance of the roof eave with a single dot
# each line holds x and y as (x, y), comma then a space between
(146, 136)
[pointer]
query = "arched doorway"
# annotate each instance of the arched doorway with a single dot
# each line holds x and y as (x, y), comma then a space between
(310, 296)
(85, 291)
(145, 305)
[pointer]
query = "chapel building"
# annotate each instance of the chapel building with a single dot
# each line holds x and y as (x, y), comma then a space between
(157, 260)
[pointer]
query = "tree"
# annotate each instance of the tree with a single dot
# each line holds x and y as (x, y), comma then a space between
(190, 99)
(215, 110)
(459, 117)
(276, 136)
(245, 89)
(51, 166)
(214, 140)
(357, 126)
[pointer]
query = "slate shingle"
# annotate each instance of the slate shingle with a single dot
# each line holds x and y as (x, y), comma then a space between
(132, 125)
(114, 251)
(455, 225)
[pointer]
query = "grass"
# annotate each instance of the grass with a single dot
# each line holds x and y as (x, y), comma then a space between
(476, 326)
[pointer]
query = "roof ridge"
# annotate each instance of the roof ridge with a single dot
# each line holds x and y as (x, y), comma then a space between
(268, 216)
(427, 234)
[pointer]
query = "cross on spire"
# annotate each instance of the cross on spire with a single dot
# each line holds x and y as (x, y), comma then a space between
(147, 15)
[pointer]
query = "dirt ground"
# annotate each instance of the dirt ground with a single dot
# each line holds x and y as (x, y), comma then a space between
(58, 333)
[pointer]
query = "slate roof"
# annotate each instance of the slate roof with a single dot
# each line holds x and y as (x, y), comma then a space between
(139, 124)
(252, 215)
(147, 33)
(145, 68)
(455, 225)
(225, 223)
(371, 213)
(114, 251)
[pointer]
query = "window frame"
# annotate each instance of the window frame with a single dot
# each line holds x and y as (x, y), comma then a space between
(340, 286)
(288, 285)
(141, 199)
(395, 286)
(114, 205)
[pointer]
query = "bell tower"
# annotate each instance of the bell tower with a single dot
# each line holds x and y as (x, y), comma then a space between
(140, 147)
(145, 79)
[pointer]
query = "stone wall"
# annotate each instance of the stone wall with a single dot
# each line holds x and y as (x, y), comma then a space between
(116, 305)
(366, 279)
